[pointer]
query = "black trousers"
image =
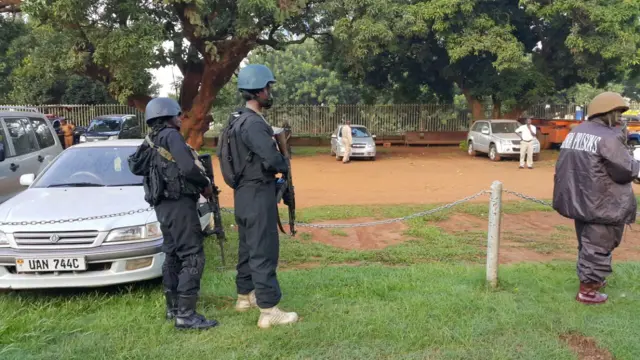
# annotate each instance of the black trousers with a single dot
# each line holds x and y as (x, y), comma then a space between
(256, 213)
(183, 245)
(596, 243)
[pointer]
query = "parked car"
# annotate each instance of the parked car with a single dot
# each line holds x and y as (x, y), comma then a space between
(363, 146)
(85, 180)
(28, 143)
(498, 139)
(112, 127)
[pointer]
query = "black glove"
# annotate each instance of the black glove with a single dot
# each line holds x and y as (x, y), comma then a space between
(281, 187)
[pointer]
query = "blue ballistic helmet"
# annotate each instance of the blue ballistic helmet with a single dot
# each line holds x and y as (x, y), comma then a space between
(161, 107)
(254, 77)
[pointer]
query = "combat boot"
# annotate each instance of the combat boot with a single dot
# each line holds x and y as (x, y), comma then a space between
(188, 318)
(171, 298)
(275, 316)
(246, 302)
(589, 294)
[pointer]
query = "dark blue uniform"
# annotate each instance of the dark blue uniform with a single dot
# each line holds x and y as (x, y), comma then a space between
(256, 211)
(180, 224)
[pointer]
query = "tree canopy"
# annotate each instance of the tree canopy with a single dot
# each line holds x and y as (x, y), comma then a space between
(505, 51)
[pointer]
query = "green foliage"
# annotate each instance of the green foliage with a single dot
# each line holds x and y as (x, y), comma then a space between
(486, 48)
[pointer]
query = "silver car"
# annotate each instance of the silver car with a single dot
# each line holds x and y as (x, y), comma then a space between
(28, 142)
(498, 139)
(363, 146)
(41, 246)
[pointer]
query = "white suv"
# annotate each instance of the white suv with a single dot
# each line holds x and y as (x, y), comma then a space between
(498, 139)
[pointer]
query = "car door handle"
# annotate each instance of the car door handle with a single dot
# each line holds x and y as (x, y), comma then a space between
(40, 158)
(14, 167)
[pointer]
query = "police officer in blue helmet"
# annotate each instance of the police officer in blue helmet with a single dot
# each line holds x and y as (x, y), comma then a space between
(254, 161)
(173, 182)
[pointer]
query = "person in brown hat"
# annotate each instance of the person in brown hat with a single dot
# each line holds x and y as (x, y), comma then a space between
(593, 186)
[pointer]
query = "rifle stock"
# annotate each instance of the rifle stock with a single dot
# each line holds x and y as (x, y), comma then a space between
(282, 138)
(214, 205)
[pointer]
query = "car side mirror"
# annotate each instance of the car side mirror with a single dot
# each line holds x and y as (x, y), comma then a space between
(485, 131)
(27, 179)
(3, 155)
(373, 136)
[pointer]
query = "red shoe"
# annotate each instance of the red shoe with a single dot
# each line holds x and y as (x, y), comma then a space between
(589, 294)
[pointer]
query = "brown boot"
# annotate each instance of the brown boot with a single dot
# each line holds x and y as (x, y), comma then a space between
(589, 294)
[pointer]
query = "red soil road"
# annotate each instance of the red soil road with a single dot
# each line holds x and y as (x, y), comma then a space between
(408, 175)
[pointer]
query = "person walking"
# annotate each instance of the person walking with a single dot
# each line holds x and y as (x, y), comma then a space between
(347, 140)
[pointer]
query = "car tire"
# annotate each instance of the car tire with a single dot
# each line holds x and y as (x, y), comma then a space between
(373, 158)
(493, 153)
(471, 151)
(536, 157)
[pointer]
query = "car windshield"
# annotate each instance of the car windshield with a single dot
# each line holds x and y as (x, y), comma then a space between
(504, 127)
(359, 132)
(90, 167)
(105, 125)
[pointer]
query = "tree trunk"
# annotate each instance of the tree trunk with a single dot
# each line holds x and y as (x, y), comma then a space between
(215, 75)
(475, 105)
(496, 111)
(515, 113)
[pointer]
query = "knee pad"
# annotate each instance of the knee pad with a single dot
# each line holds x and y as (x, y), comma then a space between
(194, 264)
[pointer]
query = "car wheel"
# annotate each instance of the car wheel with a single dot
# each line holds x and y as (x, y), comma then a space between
(493, 153)
(471, 150)
(373, 158)
(536, 157)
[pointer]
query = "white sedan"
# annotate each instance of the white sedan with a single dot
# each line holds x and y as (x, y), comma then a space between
(114, 239)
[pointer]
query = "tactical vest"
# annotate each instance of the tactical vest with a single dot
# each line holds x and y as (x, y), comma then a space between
(162, 178)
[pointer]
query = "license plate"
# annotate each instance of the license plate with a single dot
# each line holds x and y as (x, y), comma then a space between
(51, 264)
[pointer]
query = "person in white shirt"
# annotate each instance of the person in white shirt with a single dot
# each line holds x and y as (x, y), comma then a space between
(527, 133)
(347, 140)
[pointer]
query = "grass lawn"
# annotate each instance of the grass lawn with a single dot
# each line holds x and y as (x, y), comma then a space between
(422, 299)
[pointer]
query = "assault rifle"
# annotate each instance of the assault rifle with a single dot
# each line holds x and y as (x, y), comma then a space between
(214, 206)
(282, 139)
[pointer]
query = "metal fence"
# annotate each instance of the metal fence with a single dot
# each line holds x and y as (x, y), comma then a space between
(312, 120)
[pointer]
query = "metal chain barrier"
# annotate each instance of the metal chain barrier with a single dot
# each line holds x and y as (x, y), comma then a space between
(527, 197)
(386, 221)
(300, 224)
(72, 220)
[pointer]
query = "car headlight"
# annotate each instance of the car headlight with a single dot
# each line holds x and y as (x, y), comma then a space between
(4, 239)
(135, 233)
(83, 138)
(114, 137)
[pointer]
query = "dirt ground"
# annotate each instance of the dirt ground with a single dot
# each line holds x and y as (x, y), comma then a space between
(422, 175)
(407, 175)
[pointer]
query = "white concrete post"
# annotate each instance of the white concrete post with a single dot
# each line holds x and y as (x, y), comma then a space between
(493, 237)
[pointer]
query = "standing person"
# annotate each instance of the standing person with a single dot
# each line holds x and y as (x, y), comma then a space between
(173, 183)
(593, 186)
(67, 130)
(347, 140)
(252, 149)
(527, 133)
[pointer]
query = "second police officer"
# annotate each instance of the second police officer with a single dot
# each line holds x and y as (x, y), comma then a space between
(173, 183)
(255, 155)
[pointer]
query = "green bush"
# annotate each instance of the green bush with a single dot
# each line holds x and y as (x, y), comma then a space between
(464, 145)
